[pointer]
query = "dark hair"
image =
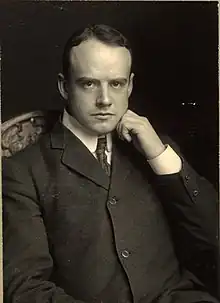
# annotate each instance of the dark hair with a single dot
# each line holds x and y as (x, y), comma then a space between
(101, 32)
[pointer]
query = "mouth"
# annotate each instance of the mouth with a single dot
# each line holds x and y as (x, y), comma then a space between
(102, 116)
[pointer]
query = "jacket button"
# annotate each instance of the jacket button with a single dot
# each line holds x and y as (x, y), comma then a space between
(187, 178)
(195, 193)
(113, 201)
(125, 254)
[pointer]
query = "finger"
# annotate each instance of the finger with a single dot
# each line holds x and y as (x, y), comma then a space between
(130, 118)
(132, 126)
(130, 113)
(119, 130)
(125, 134)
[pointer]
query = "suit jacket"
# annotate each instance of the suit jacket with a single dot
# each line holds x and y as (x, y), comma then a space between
(68, 227)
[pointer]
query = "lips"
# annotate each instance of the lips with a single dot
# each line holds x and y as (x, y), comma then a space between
(102, 114)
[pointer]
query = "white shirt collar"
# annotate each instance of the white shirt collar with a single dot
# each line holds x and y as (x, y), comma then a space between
(80, 132)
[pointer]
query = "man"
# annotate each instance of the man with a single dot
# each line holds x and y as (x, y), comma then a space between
(84, 207)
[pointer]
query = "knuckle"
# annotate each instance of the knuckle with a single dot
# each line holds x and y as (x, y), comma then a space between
(144, 119)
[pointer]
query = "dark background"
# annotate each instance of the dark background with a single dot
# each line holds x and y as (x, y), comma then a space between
(175, 46)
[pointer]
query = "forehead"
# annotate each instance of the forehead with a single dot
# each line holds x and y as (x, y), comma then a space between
(97, 59)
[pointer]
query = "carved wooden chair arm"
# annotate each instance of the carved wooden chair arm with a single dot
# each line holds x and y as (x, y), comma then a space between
(25, 129)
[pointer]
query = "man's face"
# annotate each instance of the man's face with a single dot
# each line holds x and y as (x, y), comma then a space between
(99, 85)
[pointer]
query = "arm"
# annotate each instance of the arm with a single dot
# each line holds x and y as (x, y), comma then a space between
(189, 201)
(195, 200)
(28, 264)
(191, 205)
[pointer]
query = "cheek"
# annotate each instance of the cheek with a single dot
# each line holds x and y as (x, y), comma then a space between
(121, 99)
(82, 102)
(122, 94)
(83, 107)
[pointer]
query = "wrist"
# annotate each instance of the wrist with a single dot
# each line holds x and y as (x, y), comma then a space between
(155, 150)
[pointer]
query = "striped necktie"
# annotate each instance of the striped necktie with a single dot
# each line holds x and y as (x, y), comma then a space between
(101, 155)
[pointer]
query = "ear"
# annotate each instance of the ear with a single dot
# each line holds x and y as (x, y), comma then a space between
(62, 86)
(130, 85)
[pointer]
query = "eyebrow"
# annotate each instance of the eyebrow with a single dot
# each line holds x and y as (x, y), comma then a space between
(84, 79)
(123, 80)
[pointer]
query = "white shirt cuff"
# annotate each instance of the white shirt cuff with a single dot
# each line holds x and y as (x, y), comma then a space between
(166, 163)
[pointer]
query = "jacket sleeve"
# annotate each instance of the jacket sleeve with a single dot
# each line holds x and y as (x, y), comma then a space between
(191, 205)
(27, 261)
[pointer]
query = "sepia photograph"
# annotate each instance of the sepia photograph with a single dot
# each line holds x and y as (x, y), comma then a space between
(110, 143)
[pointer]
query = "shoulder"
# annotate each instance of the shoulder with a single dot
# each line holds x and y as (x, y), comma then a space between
(27, 160)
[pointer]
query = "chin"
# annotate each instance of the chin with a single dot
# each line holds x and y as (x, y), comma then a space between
(104, 130)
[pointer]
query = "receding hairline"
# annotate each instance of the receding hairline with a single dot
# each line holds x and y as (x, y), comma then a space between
(101, 42)
(101, 32)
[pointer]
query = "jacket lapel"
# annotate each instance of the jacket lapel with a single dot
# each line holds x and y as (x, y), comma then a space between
(126, 161)
(121, 169)
(76, 156)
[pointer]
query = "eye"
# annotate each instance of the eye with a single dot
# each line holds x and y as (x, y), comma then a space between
(117, 84)
(88, 84)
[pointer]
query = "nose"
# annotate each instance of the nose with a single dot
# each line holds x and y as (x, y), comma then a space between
(103, 98)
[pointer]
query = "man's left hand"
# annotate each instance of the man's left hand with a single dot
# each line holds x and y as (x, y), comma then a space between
(138, 130)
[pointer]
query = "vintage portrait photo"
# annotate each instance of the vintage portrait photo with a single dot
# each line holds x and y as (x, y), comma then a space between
(109, 140)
